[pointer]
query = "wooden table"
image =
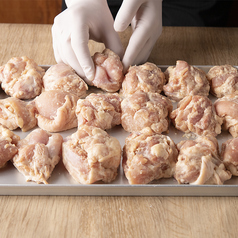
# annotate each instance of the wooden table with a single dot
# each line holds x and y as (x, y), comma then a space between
(83, 216)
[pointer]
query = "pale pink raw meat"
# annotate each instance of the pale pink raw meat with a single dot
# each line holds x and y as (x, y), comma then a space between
(196, 114)
(16, 113)
(147, 78)
(143, 109)
(183, 80)
(56, 110)
(227, 108)
(8, 149)
(109, 71)
(21, 77)
(199, 162)
(223, 80)
(63, 77)
(100, 110)
(91, 155)
(229, 155)
(38, 154)
(148, 156)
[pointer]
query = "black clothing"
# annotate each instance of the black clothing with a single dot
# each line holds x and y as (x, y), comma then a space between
(188, 12)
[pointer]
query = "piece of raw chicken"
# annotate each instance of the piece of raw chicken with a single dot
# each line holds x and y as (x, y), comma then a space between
(223, 80)
(196, 114)
(62, 77)
(91, 155)
(229, 155)
(148, 156)
(143, 109)
(100, 110)
(109, 71)
(55, 110)
(8, 141)
(147, 78)
(21, 77)
(199, 162)
(184, 79)
(38, 154)
(16, 113)
(227, 108)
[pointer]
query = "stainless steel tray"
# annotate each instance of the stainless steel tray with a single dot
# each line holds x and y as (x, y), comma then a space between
(61, 183)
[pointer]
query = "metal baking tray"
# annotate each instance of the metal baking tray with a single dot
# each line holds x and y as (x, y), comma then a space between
(61, 183)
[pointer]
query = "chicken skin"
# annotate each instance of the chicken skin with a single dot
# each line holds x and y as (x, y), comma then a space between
(223, 80)
(99, 110)
(196, 114)
(63, 77)
(148, 156)
(21, 77)
(183, 80)
(16, 113)
(199, 162)
(91, 155)
(147, 78)
(59, 114)
(38, 154)
(143, 109)
(8, 149)
(109, 71)
(227, 108)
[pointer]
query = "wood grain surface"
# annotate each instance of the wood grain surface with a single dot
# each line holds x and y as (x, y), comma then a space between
(84, 216)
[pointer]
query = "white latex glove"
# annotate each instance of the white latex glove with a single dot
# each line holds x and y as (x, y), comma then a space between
(72, 29)
(145, 17)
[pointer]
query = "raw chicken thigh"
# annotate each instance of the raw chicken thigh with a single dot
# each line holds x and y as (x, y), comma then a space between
(227, 108)
(147, 78)
(148, 156)
(8, 149)
(184, 79)
(99, 110)
(16, 113)
(229, 155)
(109, 71)
(56, 110)
(223, 80)
(196, 114)
(63, 77)
(91, 155)
(38, 154)
(199, 163)
(143, 109)
(21, 77)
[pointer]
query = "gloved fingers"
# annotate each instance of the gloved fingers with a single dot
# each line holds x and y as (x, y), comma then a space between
(126, 13)
(112, 41)
(79, 42)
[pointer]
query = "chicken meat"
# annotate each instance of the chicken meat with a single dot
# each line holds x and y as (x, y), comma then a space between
(8, 148)
(21, 77)
(99, 110)
(16, 113)
(223, 80)
(38, 154)
(199, 162)
(227, 108)
(143, 109)
(91, 155)
(55, 110)
(184, 79)
(63, 77)
(196, 114)
(147, 78)
(109, 71)
(148, 156)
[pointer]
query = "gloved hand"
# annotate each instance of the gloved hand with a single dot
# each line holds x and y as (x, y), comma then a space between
(72, 29)
(145, 17)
